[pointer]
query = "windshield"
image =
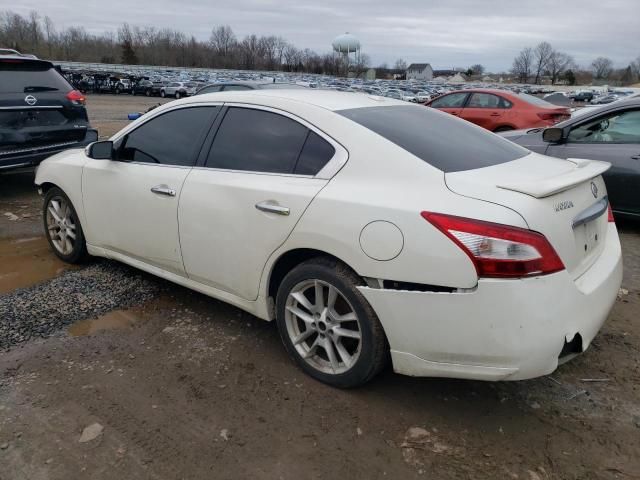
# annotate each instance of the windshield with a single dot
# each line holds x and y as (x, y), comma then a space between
(443, 141)
(24, 77)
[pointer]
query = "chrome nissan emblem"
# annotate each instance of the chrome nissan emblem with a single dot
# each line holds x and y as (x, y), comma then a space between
(594, 190)
(31, 100)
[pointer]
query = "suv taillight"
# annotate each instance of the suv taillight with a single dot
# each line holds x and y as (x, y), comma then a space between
(610, 214)
(76, 97)
(498, 250)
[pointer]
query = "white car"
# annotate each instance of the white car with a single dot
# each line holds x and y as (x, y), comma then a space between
(368, 228)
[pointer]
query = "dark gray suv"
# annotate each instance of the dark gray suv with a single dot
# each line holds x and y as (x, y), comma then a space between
(40, 113)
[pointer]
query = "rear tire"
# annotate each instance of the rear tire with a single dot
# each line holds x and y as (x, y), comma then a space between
(338, 339)
(62, 227)
(177, 95)
(503, 129)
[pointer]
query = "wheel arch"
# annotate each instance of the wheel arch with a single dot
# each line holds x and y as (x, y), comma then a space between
(286, 262)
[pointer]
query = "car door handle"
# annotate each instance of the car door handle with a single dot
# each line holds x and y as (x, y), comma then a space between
(272, 208)
(163, 190)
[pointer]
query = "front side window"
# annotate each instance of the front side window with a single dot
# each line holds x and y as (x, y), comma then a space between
(618, 127)
(257, 141)
(168, 139)
(453, 100)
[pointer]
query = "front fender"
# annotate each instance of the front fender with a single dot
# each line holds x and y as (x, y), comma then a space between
(64, 170)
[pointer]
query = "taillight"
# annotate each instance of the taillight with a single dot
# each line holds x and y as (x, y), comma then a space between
(499, 250)
(76, 97)
(553, 117)
(610, 214)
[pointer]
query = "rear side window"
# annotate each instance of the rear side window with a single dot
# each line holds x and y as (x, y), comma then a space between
(487, 100)
(257, 141)
(28, 76)
(315, 155)
(172, 138)
(441, 140)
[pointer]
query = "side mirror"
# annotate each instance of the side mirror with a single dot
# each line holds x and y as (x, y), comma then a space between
(553, 135)
(100, 150)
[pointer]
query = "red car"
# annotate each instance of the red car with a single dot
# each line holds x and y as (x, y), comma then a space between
(499, 111)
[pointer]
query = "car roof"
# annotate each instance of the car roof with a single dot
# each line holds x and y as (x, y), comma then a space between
(327, 99)
(496, 91)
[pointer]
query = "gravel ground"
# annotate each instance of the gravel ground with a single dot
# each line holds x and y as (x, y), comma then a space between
(44, 309)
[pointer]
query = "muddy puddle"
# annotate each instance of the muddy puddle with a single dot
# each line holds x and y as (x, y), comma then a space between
(115, 320)
(27, 261)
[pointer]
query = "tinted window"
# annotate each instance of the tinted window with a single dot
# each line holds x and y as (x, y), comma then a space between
(286, 86)
(170, 139)
(454, 100)
(257, 141)
(441, 140)
(486, 100)
(315, 155)
(229, 88)
(618, 127)
(210, 89)
(28, 76)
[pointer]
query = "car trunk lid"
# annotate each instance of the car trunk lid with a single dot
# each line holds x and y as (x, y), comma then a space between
(565, 200)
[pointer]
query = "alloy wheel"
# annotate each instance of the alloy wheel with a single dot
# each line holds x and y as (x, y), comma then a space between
(61, 225)
(323, 326)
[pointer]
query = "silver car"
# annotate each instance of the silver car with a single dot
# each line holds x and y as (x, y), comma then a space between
(178, 89)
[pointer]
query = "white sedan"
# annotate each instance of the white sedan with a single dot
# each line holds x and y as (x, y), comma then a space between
(368, 228)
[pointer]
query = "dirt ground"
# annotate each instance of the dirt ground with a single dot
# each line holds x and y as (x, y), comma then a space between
(186, 387)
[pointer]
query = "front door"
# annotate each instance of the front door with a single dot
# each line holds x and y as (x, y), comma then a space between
(131, 202)
(242, 204)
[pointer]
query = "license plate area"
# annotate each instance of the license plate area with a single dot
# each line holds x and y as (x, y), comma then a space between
(588, 237)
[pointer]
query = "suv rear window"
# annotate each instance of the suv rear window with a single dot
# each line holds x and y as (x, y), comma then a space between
(439, 139)
(17, 76)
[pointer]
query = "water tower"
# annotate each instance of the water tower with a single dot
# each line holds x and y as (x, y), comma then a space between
(347, 45)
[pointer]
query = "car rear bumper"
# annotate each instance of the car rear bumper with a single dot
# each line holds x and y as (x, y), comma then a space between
(32, 156)
(502, 329)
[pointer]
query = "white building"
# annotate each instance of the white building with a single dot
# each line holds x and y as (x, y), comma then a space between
(419, 71)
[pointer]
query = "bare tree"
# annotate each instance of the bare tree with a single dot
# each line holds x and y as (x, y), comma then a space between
(602, 67)
(400, 65)
(477, 69)
(558, 63)
(522, 65)
(541, 55)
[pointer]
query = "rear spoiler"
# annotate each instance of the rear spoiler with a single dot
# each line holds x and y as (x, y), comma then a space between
(584, 170)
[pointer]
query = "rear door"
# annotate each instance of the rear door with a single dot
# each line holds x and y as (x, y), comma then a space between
(261, 172)
(485, 109)
(613, 137)
(451, 103)
(34, 109)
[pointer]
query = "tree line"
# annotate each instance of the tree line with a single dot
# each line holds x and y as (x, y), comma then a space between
(133, 45)
(532, 64)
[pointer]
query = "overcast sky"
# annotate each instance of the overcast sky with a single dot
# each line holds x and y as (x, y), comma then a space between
(446, 33)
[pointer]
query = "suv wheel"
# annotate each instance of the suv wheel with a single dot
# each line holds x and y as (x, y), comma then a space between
(162, 94)
(177, 95)
(147, 92)
(62, 227)
(327, 326)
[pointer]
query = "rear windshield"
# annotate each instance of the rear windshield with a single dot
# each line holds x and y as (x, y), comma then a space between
(535, 100)
(286, 86)
(443, 141)
(25, 77)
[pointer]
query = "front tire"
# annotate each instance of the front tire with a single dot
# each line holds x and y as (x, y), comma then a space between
(327, 325)
(62, 227)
